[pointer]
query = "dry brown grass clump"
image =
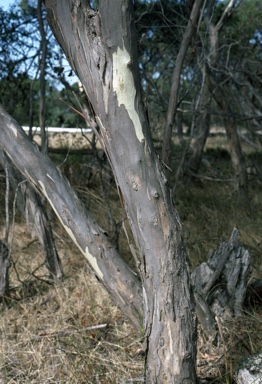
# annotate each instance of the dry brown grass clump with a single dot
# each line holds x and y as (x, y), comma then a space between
(67, 333)
(52, 337)
(218, 362)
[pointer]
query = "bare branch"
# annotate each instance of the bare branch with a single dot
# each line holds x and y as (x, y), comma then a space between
(172, 105)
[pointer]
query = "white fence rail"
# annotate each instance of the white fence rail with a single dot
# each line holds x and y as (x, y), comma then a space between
(59, 129)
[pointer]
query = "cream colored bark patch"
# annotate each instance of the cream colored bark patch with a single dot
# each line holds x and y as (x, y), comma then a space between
(92, 260)
(124, 86)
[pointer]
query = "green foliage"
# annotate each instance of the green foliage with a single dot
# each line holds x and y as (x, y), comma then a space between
(19, 92)
(160, 27)
(19, 69)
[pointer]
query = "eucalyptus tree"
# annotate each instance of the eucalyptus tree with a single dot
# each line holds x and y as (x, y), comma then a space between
(101, 47)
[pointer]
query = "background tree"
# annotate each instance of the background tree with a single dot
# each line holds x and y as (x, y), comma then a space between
(22, 69)
(20, 95)
(218, 49)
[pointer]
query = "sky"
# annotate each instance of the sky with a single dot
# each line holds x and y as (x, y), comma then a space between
(5, 3)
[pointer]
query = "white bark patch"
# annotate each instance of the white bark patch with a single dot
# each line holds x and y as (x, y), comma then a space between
(124, 86)
(170, 337)
(92, 260)
(145, 301)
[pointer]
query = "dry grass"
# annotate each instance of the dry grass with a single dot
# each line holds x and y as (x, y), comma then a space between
(237, 338)
(47, 333)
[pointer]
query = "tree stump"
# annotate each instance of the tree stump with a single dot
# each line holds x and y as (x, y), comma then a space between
(220, 284)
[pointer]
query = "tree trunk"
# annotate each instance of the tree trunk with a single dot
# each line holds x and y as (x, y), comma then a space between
(173, 99)
(198, 142)
(32, 209)
(4, 267)
(237, 158)
(101, 48)
(110, 269)
(215, 80)
(39, 223)
(42, 65)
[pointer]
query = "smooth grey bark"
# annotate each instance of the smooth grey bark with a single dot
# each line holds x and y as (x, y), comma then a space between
(110, 269)
(101, 48)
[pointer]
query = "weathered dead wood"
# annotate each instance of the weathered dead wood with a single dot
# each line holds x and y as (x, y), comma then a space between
(220, 284)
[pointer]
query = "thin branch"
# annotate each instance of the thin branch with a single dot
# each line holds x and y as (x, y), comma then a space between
(172, 105)
(66, 333)
(225, 14)
(7, 190)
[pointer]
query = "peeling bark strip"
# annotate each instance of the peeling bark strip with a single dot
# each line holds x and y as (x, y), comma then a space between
(101, 48)
(113, 273)
(123, 85)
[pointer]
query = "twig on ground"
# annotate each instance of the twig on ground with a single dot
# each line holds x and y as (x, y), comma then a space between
(66, 333)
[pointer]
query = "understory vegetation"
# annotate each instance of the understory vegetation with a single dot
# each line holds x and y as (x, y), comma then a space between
(71, 332)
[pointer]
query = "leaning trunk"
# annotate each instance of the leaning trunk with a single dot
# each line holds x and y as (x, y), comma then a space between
(92, 241)
(101, 49)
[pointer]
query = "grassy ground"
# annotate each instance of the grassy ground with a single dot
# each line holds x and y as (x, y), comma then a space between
(46, 332)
